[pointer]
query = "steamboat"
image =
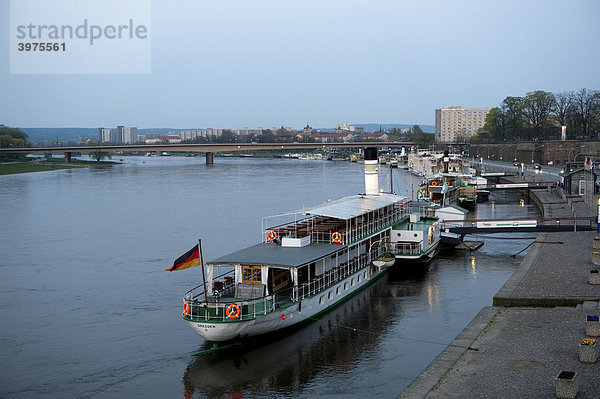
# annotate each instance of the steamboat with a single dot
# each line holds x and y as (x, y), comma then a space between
(309, 261)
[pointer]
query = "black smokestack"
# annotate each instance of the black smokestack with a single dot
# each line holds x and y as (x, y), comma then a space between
(371, 154)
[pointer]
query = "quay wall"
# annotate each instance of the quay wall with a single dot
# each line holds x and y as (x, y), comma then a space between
(517, 346)
(558, 152)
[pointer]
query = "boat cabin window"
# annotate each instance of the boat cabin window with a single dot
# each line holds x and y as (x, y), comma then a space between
(251, 274)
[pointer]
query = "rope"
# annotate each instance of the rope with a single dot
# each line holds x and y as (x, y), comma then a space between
(354, 329)
(541, 242)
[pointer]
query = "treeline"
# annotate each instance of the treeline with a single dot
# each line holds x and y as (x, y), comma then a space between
(540, 114)
(12, 137)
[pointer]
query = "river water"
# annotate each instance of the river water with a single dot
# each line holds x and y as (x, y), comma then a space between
(88, 311)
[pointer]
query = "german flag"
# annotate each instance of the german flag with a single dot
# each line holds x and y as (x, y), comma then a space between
(189, 259)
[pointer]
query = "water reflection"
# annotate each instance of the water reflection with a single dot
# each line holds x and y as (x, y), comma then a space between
(332, 343)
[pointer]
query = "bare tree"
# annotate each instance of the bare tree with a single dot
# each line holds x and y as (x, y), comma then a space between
(537, 106)
(585, 105)
(562, 106)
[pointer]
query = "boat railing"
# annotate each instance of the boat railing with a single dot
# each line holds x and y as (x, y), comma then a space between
(323, 230)
(223, 285)
(235, 310)
(336, 274)
(406, 248)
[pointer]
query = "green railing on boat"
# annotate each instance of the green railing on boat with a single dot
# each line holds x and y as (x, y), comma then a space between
(233, 309)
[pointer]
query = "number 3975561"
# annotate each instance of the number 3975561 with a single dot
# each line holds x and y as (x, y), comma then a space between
(42, 47)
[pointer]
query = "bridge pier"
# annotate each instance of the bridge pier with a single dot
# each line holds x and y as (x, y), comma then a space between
(67, 157)
(210, 158)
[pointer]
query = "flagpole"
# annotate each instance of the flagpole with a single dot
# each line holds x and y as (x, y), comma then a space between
(203, 274)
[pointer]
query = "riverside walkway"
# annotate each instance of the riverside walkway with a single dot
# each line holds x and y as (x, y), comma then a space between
(516, 348)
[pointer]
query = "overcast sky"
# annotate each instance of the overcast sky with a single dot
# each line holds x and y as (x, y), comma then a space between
(263, 63)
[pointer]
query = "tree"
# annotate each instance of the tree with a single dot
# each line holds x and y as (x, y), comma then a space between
(495, 125)
(97, 154)
(513, 109)
(266, 136)
(422, 139)
(15, 137)
(536, 107)
(563, 106)
(226, 137)
(586, 106)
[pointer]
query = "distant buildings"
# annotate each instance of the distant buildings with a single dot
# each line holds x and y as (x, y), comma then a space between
(454, 124)
(343, 133)
(119, 135)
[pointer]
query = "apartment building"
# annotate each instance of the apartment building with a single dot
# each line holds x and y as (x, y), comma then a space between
(456, 124)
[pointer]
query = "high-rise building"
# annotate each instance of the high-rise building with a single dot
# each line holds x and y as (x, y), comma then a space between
(120, 135)
(104, 135)
(456, 124)
(129, 135)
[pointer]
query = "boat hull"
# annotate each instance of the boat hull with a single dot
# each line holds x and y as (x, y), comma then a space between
(299, 312)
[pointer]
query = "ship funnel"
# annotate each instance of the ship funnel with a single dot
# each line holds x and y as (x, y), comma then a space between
(371, 176)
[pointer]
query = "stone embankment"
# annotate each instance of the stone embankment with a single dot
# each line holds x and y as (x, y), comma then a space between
(516, 348)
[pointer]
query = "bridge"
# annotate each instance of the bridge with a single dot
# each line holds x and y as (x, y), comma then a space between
(520, 225)
(208, 149)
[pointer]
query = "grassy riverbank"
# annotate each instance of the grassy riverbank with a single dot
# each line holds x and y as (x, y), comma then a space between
(10, 168)
(25, 167)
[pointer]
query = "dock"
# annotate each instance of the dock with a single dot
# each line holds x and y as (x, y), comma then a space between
(532, 331)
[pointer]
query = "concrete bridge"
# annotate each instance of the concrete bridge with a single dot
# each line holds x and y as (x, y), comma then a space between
(209, 149)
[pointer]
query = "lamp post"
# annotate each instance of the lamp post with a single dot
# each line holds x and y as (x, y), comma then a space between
(598, 218)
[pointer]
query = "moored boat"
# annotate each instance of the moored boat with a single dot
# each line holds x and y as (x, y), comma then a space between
(308, 262)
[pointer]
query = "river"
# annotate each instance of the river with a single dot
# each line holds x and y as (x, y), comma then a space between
(88, 310)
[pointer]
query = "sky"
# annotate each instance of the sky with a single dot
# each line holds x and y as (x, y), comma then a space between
(266, 63)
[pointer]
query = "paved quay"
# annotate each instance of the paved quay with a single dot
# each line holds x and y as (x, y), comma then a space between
(516, 348)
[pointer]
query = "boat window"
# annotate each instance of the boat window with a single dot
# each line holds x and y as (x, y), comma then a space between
(251, 274)
(346, 285)
(365, 274)
(339, 290)
(321, 299)
(330, 295)
(353, 282)
(359, 278)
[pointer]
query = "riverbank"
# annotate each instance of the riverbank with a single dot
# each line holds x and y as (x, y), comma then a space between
(10, 168)
(518, 346)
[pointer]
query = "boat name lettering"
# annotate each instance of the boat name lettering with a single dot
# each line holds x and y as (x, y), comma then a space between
(206, 326)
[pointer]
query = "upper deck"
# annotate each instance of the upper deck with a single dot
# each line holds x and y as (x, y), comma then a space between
(342, 221)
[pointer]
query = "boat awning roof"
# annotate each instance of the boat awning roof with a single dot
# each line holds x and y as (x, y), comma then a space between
(276, 255)
(351, 207)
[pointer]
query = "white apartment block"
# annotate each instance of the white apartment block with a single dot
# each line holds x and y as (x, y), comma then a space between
(104, 135)
(454, 124)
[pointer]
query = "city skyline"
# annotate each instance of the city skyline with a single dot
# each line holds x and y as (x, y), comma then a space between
(268, 63)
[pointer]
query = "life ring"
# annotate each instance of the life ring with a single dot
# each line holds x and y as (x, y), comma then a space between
(434, 183)
(186, 308)
(336, 237)
(272, 235)
(405, 207)
(233, 311)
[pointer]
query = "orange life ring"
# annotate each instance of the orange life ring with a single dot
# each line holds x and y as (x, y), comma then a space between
(405, 207)
(186, 308)
(233, 311)
(336, 237)
(434, 183)
(272, 235)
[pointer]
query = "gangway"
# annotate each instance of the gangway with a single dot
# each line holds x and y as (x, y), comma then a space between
(523, 185)
(520, 225)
